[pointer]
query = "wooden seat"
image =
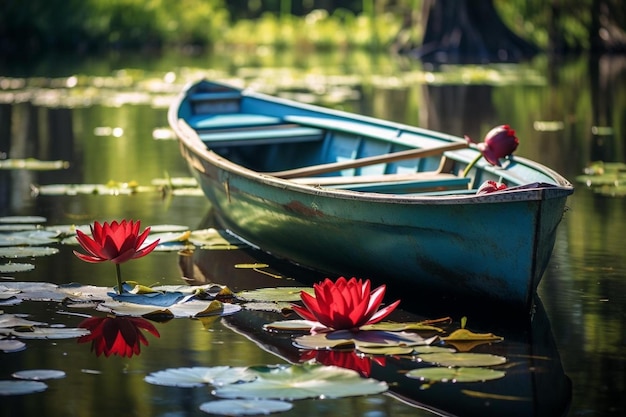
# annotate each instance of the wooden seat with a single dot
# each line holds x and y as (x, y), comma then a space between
(285, 133)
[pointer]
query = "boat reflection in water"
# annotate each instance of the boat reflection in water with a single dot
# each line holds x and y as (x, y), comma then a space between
(534, 383)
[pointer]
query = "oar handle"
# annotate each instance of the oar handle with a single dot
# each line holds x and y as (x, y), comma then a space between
(370, 160)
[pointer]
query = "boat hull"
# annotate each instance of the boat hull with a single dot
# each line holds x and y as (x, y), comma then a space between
(494, 247)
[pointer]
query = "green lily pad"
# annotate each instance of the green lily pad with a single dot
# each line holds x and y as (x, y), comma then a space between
(463, 359)
(245, 407)
(11, 267)
(33, 164)
(396, 327)
(176, 182)
(290, 294)
(462, 374)
(198, 376)
(290, 325)
(360, 340)
(214, 239)
(21, 387)
(277, 307)
(17, 227)
(28, 237)
(12, 320)
(390, 350)
(14, 252)
(302, 381)
(50, 333)
(11, 345)
(192, 308)
(39, 374)
(168, 228)
(23, 219)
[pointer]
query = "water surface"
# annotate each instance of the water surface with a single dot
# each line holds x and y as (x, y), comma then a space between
(101, 115)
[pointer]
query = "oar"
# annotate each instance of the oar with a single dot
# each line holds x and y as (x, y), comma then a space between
(368, 179)
(370, 160)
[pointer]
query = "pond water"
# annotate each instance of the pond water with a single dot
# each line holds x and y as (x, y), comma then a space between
(107, 118)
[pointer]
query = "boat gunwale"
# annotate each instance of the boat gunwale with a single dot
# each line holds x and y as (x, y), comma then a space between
(190, 138)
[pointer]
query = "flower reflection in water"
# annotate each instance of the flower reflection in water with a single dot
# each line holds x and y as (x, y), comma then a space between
(120, 336)
(348, 359)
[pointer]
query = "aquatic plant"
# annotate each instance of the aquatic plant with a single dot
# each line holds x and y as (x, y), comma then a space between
(115, 242)
(499, 142)
(344, 304)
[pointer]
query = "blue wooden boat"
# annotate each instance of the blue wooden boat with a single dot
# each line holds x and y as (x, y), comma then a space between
(356, 196)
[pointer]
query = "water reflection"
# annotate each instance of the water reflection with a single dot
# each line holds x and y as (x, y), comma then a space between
(535, 383)
(583, 289)
(116, 335)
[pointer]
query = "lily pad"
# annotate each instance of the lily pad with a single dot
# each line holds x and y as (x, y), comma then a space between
(21, 387)
(198, 376)
(214, 239)
(33, 164)
(360, 340)
(463, 359)
(50, 333)
(12, 267)
(17, 227)
(14, 252)
(245, 407)
(11, 345)
(274, 294)
(290, 325)
(156, 298)
(391, 350)
(12, 320)
(462, 374)
(23, 219)
(168, 228)
(39, 374)
(193, 308)
(396, 327)
(302, 381)
(28, 237)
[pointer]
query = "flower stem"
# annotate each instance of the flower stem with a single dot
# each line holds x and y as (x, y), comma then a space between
(471, 165)
(119, 279)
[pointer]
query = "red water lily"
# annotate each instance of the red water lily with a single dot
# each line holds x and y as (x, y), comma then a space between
(115, 242)
(490, 187)
(344, 304)
(121, 336)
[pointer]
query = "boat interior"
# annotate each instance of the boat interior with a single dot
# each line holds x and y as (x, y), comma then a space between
(324, 150)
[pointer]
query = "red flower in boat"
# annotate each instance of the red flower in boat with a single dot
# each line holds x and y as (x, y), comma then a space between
(344, 359)
(499, 142)
(345, 304)
(490, 187)
(115, 242)
(119, 336)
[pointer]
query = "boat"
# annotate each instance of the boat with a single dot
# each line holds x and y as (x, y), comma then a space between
(352, 195)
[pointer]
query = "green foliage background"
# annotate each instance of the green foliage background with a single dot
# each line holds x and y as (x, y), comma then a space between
(86, 25)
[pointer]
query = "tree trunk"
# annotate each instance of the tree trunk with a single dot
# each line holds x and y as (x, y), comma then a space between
(469, 32)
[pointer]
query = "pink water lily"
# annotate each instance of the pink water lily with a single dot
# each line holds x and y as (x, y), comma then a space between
(115, 242)
(344, 304)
